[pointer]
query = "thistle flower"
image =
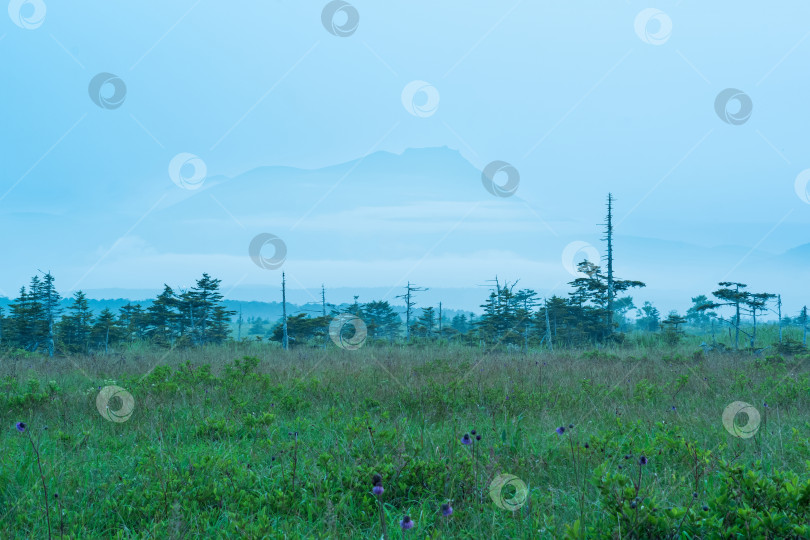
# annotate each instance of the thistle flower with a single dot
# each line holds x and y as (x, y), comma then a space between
(642, 460)
(472, 432)
(570, 426)
(406, 523)
(376, 481)
(560, 430)
(705, 508)
(447, 510)
(20, 426)
(478, 437)
(466, 440)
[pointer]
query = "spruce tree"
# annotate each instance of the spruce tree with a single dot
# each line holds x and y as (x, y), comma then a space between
(75, 327)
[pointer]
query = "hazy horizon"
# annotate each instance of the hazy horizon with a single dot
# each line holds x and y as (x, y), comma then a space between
(166, 148)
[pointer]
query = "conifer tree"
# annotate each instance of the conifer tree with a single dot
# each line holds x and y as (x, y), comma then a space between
(76, 325)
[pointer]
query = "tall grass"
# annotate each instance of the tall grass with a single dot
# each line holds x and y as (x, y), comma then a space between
(285, 444)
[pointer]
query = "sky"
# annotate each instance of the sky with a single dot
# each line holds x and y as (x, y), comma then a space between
(149, 142)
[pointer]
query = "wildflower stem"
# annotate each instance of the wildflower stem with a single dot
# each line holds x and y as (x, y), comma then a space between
(475, 469)
(382, 519)
(61, 516)
(579, 486)
(295, 461)
(680, 525)
(44, 485)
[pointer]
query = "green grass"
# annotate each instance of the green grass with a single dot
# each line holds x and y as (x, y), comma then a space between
(211, 447)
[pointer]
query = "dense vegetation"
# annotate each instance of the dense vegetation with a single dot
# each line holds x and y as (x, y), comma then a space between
(540, 418)
(510, 318)
(250, 441)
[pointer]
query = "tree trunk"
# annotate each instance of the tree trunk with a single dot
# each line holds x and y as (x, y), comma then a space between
(285, 338)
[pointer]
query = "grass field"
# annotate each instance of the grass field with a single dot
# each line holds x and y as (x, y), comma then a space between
(250, 441)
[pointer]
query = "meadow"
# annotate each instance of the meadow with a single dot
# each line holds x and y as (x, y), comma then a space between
(247, 440)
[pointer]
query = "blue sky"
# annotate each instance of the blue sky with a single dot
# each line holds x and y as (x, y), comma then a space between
(578, 97)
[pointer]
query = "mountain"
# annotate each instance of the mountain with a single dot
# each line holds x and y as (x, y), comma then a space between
(370, 225)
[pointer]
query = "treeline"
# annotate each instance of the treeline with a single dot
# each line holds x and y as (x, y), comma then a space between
(36, 320)
(510, 317)
(593, 312)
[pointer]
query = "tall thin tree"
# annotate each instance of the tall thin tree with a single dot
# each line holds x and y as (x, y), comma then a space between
(409, 304)
(323, 314)
(609, 259)
(285, 340)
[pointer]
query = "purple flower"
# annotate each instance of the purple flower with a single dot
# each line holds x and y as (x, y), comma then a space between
(478, 437)
(406, 523)
(472, 432)
(642, 460)
(466, 439)
(20, 426)
(560, 430)
(376, 481)
(447, 510)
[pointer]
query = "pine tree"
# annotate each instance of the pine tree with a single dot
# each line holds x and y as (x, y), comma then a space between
(697, 315)
(24, 321)
(204, 315)
(802, 320)
(730, 294)
(426, 322)
(757, 303)
(162, 318)
(48, 298)
(460, 324)
(501, 322)
(381, 320)
(594, 293)
(219, 327)
(526, 300)
(105, 331)
(672, 332)
(649, 317)
(133, 322)
(75, 327)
